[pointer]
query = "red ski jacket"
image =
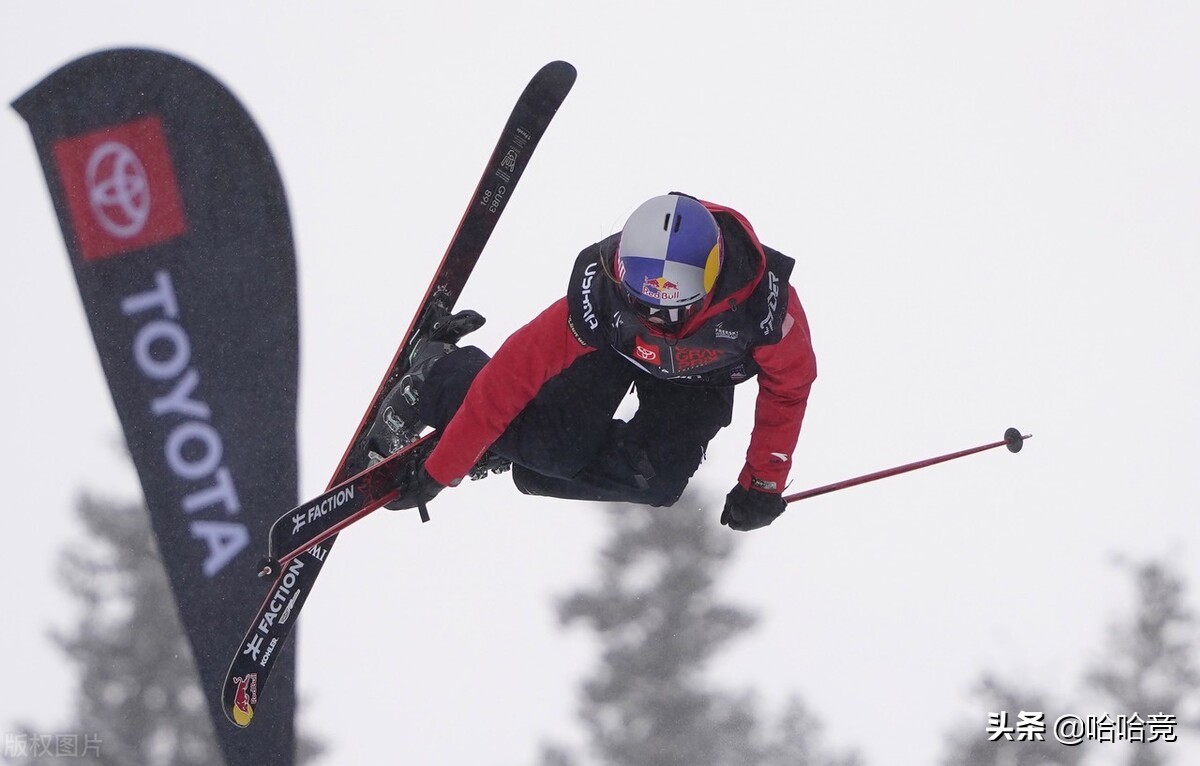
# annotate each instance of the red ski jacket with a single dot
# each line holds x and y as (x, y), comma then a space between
(754, 326)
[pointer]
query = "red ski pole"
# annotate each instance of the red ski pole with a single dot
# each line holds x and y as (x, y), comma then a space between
(1013, 439)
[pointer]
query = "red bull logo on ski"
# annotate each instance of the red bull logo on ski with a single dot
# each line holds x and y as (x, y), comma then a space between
(660, 289)
(245, 698)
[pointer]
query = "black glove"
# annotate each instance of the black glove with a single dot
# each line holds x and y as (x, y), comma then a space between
(747, 509)
(416, 492)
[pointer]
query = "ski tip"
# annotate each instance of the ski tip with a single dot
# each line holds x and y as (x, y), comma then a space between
(561, 69)
(239, 718)
(1015, 440)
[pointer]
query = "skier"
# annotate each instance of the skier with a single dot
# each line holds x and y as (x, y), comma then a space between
(681, 305)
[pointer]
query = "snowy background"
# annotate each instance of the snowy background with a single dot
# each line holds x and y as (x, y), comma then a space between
(994, 209)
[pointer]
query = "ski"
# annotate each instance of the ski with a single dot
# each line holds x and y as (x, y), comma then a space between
(315, 521)
(263, 642)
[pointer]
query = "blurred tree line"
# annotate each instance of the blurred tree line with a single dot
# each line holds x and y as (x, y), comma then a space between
(139, 701)
(658, 619)
(1147, 668)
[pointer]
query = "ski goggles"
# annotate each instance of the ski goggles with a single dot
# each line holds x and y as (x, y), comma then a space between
(668, 318)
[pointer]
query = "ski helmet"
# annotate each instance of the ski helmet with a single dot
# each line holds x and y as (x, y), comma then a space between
(668, 258)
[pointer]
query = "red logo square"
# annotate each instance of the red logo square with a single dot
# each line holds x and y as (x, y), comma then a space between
(122, 193)
(646, 352)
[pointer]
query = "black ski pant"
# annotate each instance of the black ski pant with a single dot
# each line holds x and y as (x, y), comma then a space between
(566, 442)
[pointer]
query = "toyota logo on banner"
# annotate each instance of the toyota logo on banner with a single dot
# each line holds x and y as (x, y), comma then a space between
(118, 189)
(121, 189)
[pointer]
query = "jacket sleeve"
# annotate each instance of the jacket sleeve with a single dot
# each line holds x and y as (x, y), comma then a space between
(788, 369)
(506, 384)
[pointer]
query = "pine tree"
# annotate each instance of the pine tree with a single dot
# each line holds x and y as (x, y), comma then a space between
(659, 621)
(1004, 740)
(1149, 667)
(139, 699)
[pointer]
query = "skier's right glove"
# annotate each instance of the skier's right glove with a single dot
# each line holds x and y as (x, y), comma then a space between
(747, 509)
(420, 490)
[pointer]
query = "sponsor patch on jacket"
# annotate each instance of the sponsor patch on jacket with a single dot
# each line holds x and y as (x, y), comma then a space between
(762, 484)
(690, 358)
(646, 352)
(722, 334)
(574, 332)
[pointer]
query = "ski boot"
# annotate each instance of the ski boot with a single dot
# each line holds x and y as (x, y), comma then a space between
(398, 422)
(489, 464)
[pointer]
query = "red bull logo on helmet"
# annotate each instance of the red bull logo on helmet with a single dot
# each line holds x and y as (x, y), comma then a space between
(660, 289)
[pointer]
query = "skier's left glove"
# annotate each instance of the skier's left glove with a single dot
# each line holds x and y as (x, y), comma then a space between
(421, 489)
(747, 509)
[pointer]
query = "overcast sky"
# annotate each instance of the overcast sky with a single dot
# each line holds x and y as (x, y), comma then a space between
(993, 207)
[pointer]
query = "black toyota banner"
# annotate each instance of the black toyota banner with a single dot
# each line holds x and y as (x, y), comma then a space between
(177, 227)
